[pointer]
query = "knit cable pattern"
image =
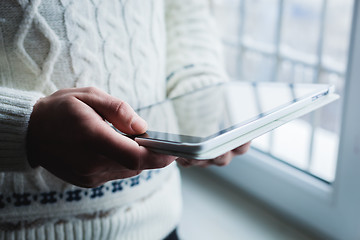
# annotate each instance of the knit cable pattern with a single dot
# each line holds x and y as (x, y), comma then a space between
(32, 18)
(86, 62)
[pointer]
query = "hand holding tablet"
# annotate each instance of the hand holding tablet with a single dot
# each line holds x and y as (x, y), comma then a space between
(207, 123)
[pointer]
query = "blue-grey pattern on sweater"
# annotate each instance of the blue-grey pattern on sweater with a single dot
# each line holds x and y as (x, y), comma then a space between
(75, 195)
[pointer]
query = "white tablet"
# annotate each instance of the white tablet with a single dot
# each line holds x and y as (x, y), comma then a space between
(209, 122)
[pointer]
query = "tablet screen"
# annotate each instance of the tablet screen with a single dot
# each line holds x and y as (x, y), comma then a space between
(204, 114)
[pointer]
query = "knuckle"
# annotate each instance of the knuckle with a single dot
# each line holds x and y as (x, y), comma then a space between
(118, 106)
(60, 92)
(92, 90)
(121, 108)
(67, 109)
(67, 102)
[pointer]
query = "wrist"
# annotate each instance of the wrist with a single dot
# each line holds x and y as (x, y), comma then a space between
(30, 140)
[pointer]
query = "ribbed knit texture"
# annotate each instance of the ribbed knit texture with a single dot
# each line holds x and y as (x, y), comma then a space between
(139, 51)
(15, 110)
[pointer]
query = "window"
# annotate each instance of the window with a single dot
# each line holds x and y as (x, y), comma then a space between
(308, 169)
(292, 41)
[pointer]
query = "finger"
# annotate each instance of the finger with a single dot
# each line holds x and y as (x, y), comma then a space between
(115, 175)
(223, 160)
(104, 140)
(242, 149)
(116, 111)
(192, 162)
(128, 152)
(152, 160)
(183, 162)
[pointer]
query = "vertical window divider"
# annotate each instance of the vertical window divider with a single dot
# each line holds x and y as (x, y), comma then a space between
(277, 57)
(315, 116)
(241, 47)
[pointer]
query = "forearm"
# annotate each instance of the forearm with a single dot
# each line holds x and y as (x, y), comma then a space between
(194, 51)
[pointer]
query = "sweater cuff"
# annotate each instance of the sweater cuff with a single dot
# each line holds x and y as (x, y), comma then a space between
(15, 109)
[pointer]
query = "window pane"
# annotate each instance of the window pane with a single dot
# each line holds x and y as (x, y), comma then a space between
(228, 20)
(250, 62)
(232, 54)
(258, 14)
(292, 41)
(336, 35)
(300, 26)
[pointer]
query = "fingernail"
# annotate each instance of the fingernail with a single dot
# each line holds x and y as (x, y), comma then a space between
(139, 125)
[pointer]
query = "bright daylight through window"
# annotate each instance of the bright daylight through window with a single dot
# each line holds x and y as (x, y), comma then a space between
(292, 41)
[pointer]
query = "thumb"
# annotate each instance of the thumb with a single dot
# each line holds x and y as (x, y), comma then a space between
(114, 110)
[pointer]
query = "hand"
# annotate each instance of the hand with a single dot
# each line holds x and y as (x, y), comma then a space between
(68, 135)
(222, 160)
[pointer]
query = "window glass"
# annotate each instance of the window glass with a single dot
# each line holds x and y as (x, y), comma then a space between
(292, 41)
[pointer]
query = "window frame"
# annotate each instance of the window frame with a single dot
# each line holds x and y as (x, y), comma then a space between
(330, 210)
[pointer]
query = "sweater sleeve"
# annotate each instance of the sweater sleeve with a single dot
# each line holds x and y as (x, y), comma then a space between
(15, 110)
(194, 54)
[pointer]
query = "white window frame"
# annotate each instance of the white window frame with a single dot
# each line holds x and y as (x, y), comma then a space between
(332, 210)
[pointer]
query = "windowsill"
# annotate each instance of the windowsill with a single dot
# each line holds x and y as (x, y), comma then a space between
(214, 209)
(291, 143)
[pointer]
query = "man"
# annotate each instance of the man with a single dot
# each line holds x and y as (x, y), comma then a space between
(67, 69)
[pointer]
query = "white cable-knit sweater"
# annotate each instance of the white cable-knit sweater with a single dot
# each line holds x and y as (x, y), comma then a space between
(140, 51)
